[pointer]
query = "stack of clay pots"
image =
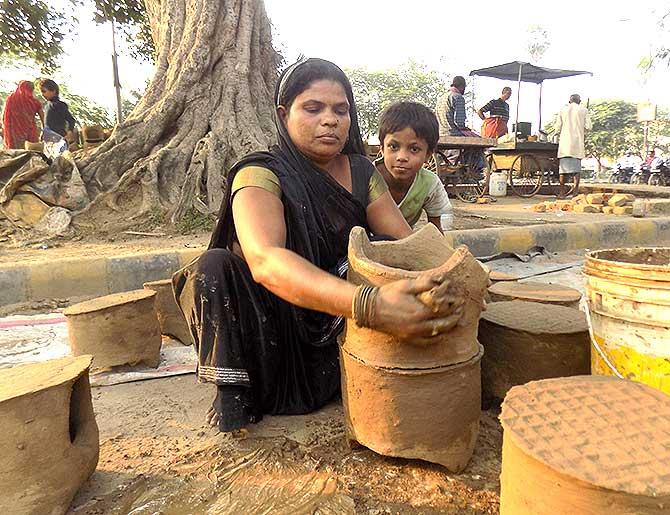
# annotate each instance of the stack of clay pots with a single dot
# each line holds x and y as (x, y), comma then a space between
(408, 400)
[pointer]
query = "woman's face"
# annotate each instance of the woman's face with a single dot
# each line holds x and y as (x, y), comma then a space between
(318, 120)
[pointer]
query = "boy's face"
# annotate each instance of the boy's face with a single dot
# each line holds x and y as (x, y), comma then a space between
(404, 154)
(47, 93)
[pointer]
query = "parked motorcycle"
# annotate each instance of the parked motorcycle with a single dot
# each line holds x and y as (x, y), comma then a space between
(641, 175)
(660, 173)
(622, 174)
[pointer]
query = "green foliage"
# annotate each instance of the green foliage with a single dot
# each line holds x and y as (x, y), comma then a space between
(35, 29)
(85, 110)
(616, 130)
(132, 21)
(661, 54)
(129, 102)
(194, 221)
(376, 90)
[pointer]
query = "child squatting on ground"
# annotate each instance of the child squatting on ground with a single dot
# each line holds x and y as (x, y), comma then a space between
(408, 134)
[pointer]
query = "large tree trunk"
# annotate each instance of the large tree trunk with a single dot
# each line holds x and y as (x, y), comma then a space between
(209, 103)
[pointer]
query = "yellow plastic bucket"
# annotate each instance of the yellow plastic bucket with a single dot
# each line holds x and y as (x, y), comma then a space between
(628, 294)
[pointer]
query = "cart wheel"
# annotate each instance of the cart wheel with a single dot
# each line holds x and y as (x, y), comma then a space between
(656, 179)
(437, 163)
(525, 175)
(469, 184)
(491, 163)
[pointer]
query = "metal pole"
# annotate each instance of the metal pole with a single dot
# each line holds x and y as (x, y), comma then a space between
(117, 82)
(646, 138)
(540, 125)
(518, 96)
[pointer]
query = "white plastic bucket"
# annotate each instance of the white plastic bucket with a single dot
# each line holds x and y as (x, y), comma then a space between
(498, 184)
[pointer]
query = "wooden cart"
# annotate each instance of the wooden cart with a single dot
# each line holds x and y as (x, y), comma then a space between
(449, 163)
(529, 165)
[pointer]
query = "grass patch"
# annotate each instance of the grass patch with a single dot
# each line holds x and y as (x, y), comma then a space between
(194, 221)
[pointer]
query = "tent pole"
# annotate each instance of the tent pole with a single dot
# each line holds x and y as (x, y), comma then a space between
(518, 96)
(540, 126)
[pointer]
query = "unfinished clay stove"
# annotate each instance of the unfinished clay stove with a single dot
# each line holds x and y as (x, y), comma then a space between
(408, 400)
(535, 292)
(526, 341)
(430, 414)
(49, 437)
(170, 317)
(585, 445)
(118, 329)
(380, 263)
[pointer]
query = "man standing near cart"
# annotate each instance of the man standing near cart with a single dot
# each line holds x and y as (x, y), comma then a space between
(498, 109)
(573, 121)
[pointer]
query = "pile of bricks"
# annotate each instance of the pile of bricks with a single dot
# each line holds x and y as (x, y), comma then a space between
(607, 203)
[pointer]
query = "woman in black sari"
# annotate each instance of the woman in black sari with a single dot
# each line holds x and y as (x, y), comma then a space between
(264, 302)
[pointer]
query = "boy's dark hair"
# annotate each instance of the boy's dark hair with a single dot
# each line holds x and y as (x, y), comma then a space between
(417, 116)
(50, 85)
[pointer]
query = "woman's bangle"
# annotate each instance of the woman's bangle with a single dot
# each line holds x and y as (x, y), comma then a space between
(363, 305)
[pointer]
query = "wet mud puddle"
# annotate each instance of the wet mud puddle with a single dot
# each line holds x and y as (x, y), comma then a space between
(253, 484)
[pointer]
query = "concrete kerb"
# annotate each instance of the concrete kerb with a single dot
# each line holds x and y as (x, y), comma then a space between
(97, 276)
(89, 276)
(568, 236)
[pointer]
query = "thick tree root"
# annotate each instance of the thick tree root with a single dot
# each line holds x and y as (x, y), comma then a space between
(209, 103)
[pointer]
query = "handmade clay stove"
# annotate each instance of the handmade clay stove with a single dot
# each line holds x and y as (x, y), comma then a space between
(535, 292)
(48, 437)
(585, 445)
(408, 400)
(170, 317)
(117, 329)
(526, 341)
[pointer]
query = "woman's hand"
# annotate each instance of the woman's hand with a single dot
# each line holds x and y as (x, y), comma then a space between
(417, 310)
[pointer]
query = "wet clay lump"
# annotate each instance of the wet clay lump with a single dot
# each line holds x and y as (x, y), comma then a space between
(585, 445)
(48, 437)
(527, 341)
(116, 329)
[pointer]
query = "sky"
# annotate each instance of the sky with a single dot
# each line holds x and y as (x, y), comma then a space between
(608, 39)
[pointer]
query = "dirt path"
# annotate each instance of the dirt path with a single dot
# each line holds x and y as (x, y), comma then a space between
(158, 456)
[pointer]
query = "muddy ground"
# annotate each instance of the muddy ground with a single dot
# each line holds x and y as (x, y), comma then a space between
(158, 456)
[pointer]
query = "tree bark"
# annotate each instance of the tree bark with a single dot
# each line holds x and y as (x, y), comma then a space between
(209, 103)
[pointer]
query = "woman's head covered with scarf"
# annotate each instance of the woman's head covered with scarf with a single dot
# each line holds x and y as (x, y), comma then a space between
(297, 172)
(299, 77)
(19, 115)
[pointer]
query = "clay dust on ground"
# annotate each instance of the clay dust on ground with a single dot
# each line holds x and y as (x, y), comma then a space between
(158, 456)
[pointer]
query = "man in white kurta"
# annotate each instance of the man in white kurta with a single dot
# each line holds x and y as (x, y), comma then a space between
(573, 121)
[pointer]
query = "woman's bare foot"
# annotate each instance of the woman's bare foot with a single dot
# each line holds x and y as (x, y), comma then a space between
(212, 417)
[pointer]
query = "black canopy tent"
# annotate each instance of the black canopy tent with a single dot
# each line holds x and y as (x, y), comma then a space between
(520, 71)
